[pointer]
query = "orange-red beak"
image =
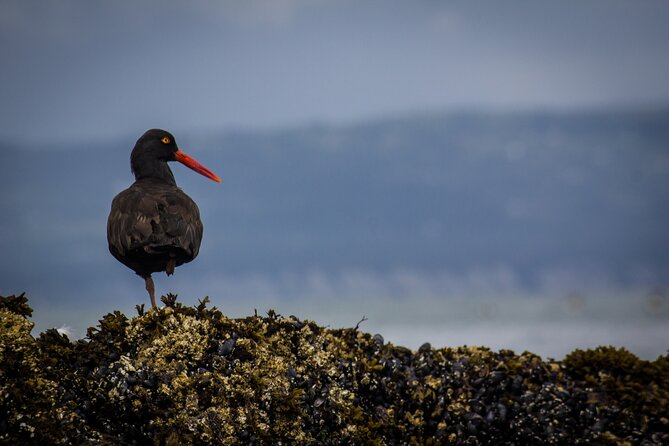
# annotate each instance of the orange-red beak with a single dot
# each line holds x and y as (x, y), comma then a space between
(199, 168)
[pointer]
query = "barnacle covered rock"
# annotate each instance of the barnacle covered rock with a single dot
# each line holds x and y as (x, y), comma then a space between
(31, 409)
(191, 375)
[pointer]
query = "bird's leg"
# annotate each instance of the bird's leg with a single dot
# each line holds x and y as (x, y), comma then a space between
(171, 264)
(151, 289)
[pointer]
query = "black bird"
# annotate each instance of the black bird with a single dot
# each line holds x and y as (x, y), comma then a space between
(153, 225)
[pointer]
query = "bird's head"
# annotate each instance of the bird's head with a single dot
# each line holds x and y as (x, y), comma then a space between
(154, 149)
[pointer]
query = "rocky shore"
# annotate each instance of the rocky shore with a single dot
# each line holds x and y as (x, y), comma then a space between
(190, 375)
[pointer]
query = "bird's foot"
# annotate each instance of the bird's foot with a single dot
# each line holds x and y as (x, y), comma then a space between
(171, 264)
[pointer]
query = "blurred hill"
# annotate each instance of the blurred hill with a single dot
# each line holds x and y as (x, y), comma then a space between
(528, 192)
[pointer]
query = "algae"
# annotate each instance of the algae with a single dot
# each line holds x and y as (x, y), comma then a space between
(191, 375)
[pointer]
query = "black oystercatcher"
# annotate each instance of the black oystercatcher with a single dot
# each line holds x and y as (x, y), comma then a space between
(153, 226)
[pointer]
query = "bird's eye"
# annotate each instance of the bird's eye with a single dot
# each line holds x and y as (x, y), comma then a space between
(166, 140)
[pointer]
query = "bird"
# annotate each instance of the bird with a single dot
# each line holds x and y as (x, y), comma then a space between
(153, 225)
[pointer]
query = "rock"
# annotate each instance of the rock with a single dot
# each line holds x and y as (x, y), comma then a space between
(183, 375)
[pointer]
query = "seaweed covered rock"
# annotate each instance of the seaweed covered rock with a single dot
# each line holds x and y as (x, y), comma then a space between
(191, 375)
(30, 401)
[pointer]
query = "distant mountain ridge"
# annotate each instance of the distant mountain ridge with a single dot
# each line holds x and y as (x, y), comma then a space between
(528, 192)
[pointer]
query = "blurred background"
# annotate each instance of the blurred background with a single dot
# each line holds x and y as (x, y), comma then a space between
(463, 173)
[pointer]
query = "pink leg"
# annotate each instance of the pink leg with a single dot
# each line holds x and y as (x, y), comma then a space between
(151, 289)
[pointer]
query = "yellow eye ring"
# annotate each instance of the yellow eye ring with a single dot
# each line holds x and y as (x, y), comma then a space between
(166, 140)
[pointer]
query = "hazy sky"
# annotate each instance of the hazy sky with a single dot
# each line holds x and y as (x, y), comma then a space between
(79, 69)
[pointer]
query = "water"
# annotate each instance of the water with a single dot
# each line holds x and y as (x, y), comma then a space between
(550, 323)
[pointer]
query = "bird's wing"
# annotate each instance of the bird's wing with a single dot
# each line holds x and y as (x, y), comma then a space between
(155, 219)
(180, 221)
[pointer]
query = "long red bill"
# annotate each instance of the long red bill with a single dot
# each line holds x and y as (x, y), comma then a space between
(199, 168)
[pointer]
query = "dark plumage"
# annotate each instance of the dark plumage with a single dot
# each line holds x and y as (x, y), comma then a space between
(153, 225)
